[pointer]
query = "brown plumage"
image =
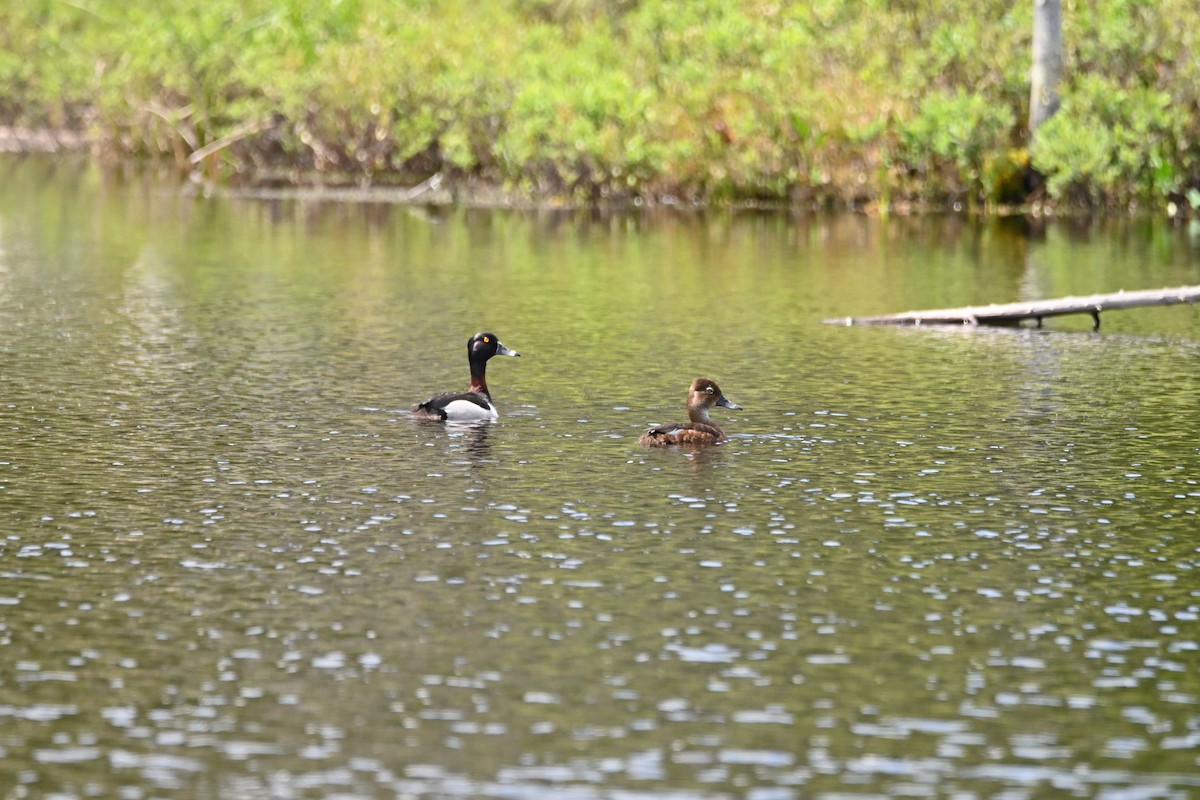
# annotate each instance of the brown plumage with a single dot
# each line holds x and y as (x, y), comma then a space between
(703, 395)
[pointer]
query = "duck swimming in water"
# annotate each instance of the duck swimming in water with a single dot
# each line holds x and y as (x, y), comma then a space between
(701, 430)
(475, 404)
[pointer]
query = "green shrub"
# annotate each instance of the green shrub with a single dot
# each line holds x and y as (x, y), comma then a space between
(959, 130)
(864, 101)
(1108, 143)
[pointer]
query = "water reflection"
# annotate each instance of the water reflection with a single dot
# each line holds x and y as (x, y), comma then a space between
(927, 564)
(467, 438)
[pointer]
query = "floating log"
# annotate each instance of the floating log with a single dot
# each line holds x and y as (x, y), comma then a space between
(1012, 314)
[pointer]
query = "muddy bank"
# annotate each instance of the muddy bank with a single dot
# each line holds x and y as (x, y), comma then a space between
(29, 140)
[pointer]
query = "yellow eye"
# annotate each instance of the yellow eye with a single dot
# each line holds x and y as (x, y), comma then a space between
(486, 340)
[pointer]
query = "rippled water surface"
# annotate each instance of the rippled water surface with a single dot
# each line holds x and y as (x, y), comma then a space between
(927, 564)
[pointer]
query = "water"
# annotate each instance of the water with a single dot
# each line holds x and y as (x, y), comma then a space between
(928, 563)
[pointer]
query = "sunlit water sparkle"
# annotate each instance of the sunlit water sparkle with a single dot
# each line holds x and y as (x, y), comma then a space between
(926, 564)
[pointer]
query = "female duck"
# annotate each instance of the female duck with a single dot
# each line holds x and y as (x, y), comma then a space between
(475, 404)
(703, 395)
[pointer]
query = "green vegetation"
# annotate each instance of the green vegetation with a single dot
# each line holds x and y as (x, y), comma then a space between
(881, 102)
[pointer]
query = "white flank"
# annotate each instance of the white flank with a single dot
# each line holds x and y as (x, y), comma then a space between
(466, 411)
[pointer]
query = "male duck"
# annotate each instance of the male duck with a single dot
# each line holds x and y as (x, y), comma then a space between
(703, 395)
(476, 403)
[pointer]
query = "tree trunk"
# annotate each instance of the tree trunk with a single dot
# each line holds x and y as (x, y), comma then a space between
(1047, 62)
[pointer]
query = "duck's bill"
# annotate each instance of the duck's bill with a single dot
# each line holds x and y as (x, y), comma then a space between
(501, 350)
(727, 403)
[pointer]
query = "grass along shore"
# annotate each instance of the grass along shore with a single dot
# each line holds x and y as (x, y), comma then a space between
(860, 103)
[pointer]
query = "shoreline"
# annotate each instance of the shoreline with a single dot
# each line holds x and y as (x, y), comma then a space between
(282, 182)
(607, 103)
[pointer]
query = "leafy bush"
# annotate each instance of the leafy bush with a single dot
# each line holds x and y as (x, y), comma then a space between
(867, 101)
(1108, 143)
(959, 130)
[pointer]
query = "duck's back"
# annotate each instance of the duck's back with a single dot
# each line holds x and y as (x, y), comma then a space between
(464, 407)
(682, 433)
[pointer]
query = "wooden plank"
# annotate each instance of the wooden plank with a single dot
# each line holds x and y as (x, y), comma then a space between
(1036, 310)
